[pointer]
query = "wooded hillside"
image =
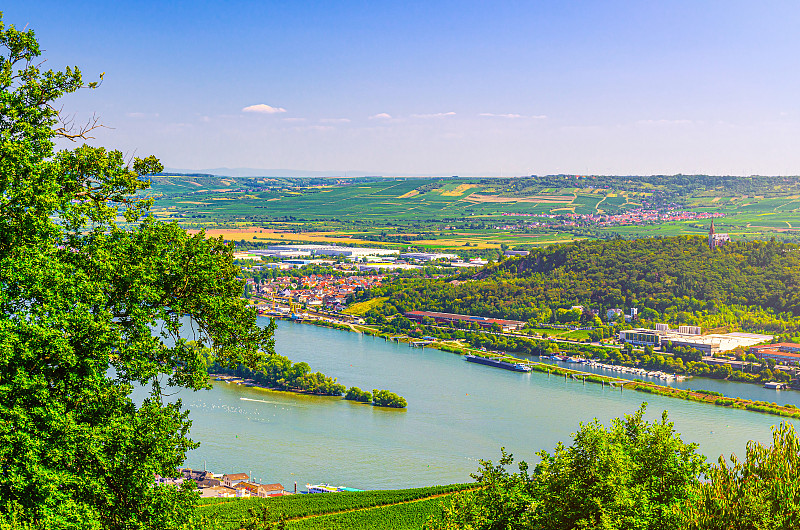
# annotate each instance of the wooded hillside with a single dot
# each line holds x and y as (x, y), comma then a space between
(658, 275)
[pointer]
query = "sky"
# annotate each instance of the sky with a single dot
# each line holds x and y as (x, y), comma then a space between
(435, 87)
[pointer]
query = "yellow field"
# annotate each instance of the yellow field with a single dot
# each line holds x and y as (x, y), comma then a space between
(459, 191)
(274, 236)
(408, 195)
(361, 308)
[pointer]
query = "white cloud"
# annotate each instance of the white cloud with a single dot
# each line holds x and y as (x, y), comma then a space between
(381, 116)
(316, 128)
(262, 108)
(335, 120)
(493, 115)
(436, 115)
(294, 120)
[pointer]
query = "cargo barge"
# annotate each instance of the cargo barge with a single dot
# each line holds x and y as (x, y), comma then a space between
(516, 367)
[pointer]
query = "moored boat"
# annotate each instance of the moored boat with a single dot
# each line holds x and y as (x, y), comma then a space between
(516, 367)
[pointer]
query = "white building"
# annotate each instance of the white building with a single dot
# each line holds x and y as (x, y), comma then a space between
(427, 256)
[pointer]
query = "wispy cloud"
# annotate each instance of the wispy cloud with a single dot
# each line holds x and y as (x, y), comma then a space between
(493, 115)
(381, 116)
(139, 115)
(436, 115)
(512, 116)
(294, 120)
(263, 108)
(335, 120)
(316, 128)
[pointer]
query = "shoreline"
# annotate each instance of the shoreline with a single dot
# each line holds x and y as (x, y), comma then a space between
(700, 396)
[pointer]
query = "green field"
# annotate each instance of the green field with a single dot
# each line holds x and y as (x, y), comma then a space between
(458, 213)
(407, 508)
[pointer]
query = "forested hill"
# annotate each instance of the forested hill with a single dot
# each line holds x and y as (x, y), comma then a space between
(620, 272)
(666, 275)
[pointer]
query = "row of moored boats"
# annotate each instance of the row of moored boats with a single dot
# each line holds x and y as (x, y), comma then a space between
(655, 374)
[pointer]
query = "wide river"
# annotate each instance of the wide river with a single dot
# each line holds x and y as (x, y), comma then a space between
(458, 413)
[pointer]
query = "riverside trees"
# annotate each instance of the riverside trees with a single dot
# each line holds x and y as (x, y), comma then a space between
(90, 307)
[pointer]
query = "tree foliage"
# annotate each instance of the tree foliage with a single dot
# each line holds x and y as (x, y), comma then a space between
(385, 398)
(631, 475)
(763, 491)
(91, 306)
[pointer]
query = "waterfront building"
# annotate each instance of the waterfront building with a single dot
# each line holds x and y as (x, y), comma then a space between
(260, 490)
(233, 479)
(782, 352)
(690, 337)
(641, 337)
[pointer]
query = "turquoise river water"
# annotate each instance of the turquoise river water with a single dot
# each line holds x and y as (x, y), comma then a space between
(458, 413)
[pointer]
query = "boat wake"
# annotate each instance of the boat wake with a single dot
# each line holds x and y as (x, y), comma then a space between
(270, 402)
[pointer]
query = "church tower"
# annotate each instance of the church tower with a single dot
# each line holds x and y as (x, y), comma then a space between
(716, 240)
(711, 232)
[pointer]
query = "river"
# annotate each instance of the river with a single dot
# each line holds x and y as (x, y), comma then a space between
(458, 413)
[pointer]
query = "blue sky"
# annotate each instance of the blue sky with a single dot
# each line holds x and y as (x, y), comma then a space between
(440, 88)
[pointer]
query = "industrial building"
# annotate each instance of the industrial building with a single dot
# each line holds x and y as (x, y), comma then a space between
(326, 250)
(484, 322)
(782, 352)
(426, 256)
(690, 337)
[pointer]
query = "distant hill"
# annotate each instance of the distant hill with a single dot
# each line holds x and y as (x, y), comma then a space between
(255, 172)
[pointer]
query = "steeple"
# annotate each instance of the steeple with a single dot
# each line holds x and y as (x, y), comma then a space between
(711, 231)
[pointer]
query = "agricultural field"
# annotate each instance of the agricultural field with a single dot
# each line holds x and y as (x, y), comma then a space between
(361, 308)
(407, 508)
(472, 215)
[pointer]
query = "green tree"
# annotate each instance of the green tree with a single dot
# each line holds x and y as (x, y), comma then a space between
(502, 500)
(763, 491)
(633, 474)
(89, 308)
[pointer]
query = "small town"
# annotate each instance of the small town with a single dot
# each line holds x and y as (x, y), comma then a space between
(230, 485)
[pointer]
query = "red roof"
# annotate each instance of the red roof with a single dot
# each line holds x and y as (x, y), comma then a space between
(781, 353)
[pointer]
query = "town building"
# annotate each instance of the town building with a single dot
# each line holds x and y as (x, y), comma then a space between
(484, 322)
(217, 491)
(260, 490)
(233, 479)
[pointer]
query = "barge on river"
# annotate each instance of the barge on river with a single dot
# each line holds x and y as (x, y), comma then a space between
(516, 367)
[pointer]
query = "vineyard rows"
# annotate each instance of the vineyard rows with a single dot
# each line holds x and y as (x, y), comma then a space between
(228, 513)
